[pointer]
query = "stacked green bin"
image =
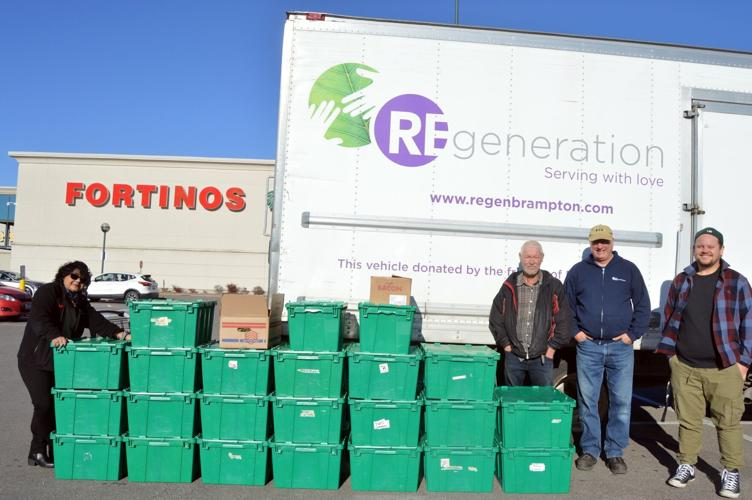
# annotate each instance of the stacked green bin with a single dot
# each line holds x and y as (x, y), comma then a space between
(308, 405)
(460, 447)
(534, 426)
(235, 415)
(165, 387)
(386, 406)
(90, 418)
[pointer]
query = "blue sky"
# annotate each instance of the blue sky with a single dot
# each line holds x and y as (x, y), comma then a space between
(201, 77)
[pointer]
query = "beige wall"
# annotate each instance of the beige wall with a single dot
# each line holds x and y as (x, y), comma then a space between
(191, 248)
(5, 259)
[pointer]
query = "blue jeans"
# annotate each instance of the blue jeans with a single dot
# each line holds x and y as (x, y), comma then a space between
(541, 372)
(617, 360)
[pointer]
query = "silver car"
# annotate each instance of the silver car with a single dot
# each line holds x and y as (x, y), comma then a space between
(11, 279)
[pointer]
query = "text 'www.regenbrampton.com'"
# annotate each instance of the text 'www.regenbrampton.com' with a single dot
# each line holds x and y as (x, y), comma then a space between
(522, 203)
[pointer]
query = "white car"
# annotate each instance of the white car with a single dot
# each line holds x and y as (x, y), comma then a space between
(126, 286)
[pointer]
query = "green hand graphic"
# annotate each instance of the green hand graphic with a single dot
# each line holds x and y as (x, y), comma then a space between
(333, 85)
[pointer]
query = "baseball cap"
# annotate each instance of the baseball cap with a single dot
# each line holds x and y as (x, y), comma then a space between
(601, 232)
(712, 232)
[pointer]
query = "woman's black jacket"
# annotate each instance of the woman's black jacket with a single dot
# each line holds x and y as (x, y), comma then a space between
(46, 323)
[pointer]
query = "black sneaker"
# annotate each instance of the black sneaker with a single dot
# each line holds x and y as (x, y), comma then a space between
(616, 465)
(730, 483)
(585, 462)
(683, 475)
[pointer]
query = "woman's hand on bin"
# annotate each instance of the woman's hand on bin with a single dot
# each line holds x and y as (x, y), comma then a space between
(59, 341)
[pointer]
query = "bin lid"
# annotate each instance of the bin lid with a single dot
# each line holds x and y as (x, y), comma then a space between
(459, 350)
(386, 307)
(280, 446)
(532, 395)
(414, 352)
(89, 343)
(170, 304)
(284, 349)
(213, 348)
(316, 303)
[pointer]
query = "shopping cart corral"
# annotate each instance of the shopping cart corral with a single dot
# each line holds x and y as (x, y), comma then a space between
(118, 316)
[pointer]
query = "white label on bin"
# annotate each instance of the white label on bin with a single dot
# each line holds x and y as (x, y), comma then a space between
(309, 371)
(472, 469)
(88, 456)
(537, 467)
(233, 456)
(459, 377)
(307, 413)
(381, 424)
(384, 368)
(555, 420)
(398, 300)
(161, 321)
(233, 363)
(446, 465)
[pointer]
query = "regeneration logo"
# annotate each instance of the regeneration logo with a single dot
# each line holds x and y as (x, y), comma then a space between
(409, 129)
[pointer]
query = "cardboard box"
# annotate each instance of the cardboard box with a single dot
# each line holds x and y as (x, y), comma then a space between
(246, 323)
(393, 290)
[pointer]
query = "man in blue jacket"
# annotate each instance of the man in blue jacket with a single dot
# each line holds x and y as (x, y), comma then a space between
(611, 309)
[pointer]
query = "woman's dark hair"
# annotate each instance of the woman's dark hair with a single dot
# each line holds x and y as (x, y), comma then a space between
(69, 267)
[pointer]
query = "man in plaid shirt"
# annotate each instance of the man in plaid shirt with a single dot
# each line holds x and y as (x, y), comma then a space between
(708, 336)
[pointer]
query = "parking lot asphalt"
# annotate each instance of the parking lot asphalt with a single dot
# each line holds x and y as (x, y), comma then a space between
(650, 457)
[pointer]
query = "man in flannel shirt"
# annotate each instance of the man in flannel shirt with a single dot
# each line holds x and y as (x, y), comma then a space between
(708, 336)
(530, 320)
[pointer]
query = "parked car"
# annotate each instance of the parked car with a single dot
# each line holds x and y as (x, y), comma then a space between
(126, 286)
(14, 303)
(12, 280)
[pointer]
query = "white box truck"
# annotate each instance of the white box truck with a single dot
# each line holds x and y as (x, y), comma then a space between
(434, 152)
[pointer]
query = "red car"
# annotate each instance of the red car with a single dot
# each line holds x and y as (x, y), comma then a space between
(14, 303)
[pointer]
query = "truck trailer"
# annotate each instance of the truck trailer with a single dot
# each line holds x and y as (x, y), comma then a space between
(434, 151)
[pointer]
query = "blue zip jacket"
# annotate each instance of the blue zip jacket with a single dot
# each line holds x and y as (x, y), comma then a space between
(608, 301)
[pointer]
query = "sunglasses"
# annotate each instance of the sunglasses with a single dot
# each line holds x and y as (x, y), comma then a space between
(75, 276)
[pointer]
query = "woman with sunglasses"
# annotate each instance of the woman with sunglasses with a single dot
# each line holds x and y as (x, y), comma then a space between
(60, 312)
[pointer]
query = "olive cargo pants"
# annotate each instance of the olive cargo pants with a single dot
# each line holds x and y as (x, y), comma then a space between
(722, 389)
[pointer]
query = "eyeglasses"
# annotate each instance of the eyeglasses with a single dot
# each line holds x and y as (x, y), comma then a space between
(75, 276)
(600, 242)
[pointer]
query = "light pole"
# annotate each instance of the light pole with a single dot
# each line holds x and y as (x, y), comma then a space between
(104, 227)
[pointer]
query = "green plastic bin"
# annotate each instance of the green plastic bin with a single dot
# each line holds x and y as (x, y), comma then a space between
(308, 374)
(534, 417)
(308, 466)
(91, 364)
(161, 460)
(383, 376)
(316, 326)
(308, 420)
(89, 413)
(162, 415)
(158, 369)
(385, 423)
(236, 371)
(461, 423)
(235, 418)
(459, 469)
(385, 328)
(460, 371)
(535, 470)
(171, 323)
(234, 462)
(98, 458)
(385, 468)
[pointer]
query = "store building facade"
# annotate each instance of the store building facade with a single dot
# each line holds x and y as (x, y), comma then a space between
(191, 223)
